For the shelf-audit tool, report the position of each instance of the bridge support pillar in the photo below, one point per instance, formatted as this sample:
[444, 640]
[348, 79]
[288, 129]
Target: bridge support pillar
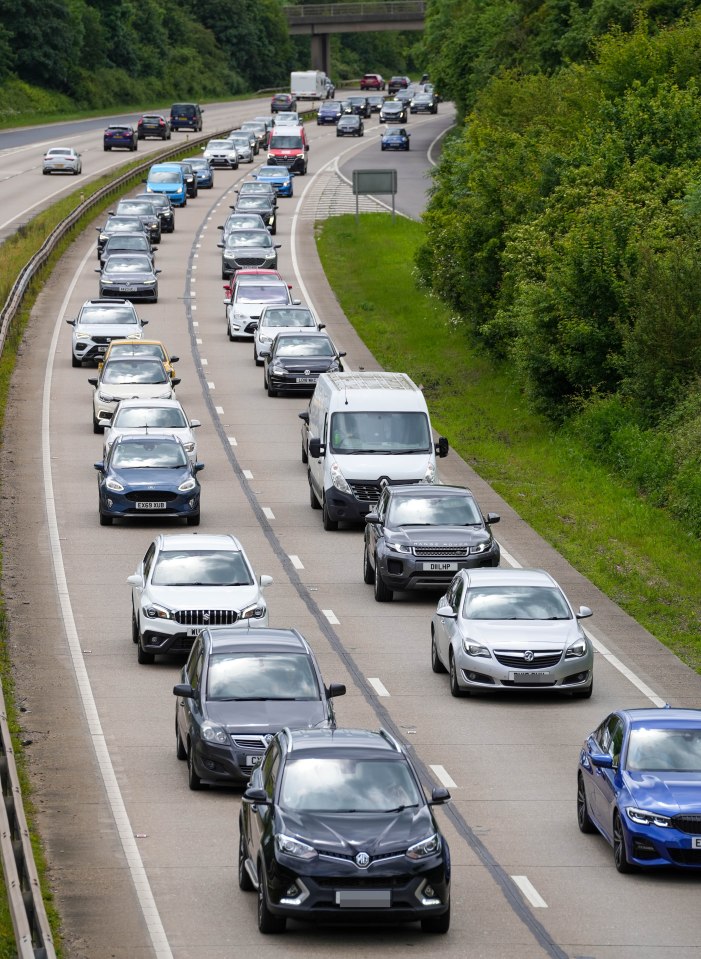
[321, 52]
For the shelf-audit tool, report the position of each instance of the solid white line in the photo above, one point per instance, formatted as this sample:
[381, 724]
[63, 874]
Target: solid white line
[440, 774]
[378, 686]
[331, 616]
[248, 474]
[530, 892]
[125, 830]
[268, 513]
[296, 561]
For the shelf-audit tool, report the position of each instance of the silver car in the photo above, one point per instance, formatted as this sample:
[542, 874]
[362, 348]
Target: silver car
[123, 378]
[245, 145]
[281, 319]
[155, 417]
[501, 629]
[222, 153]
[62, 160]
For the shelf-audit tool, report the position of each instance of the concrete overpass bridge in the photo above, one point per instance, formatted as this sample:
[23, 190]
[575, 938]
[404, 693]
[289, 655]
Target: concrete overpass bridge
[319, 21]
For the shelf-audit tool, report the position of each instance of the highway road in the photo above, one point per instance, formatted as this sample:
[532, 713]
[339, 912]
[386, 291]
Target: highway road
[143, 867]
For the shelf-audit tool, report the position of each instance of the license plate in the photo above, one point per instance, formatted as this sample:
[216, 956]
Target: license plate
[305, 379]
[439, 567]
[253, 760]
[696, 842]
[536, 676]
[150, 505]
[194, 631]
[127, 289]
[364, 898]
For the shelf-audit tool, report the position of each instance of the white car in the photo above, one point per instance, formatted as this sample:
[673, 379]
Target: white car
[244, 149]
[98, 323]
[222, 153]
[248, 301]
[281, 319]
[245, 136]
[189, 581]
[128, 377]
[155, 418]
[287, 119]
[62, 160]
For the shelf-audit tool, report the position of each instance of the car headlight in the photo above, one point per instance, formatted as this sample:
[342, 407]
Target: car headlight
[265, 339]
[278, 370]
[155, 611]
[254, 611]
[187, 485]
[425, 848]
[82, 336]
[480, 548]
[269, 254]
[294, 847]
[180, 189]
[106, 282]
[643, 818]
[338, 479]
[398, 547]
[430, 474]
[104, 397]
[475, 649]
[212, 733]
[577, 649]
[114, 485]
[149, 282]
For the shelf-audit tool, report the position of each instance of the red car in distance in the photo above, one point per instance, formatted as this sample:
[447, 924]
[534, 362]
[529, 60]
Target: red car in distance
[372, 81]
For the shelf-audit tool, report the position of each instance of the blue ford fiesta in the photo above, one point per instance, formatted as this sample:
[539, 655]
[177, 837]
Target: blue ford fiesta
[639, 785]
[278, 176]
[148, 476]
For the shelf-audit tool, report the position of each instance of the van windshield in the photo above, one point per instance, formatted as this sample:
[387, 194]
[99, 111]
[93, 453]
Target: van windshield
[285, 143]
[382, 432]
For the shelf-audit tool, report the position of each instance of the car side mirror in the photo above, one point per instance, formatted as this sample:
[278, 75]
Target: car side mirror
[584, 612]
[184, 689]
[342, 353]
[144, 322]
[92, 380]
[442, 447]
[316, 448]
[258, 797]
[371, 518]
[493, 518]
[446, 611]
[71, 322]
[264, 353]
[97, 271]
[306, 148]
[194, 424]
[175, 381]
[277, 246]
[265, 581]
[157, 272]
[220, 246]
[174, 359]
[296, 303]
[601, 760]
[321, 326]
[198, 467]
[439, 795]
[105, 419]
[220, 227]
[100, 467]
[136, 579]
[304, 416]
[335, 689]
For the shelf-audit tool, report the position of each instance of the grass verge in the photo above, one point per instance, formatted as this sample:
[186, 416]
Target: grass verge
[635, 553]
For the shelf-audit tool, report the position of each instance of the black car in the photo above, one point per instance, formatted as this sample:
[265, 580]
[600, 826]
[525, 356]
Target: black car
[127, 243]
[335, 827]
[423, 103]
[243, 249]
[238, 688]
[376, 100]
[190, 176]
[118, 224]
[358, 105]
[263, 203]
[329, 112]
[394, 111]
[350, 125]
[295, 360]
[146, 212]
[419, 536]
[163, 207]
[153, 125]
[397, 83]
[130, 275]
[282, 103]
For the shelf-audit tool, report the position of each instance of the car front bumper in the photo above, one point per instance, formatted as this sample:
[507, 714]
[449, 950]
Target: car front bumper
[135, 292]
[479, 672]
[405, 571]
[169, 636]
[127, 504]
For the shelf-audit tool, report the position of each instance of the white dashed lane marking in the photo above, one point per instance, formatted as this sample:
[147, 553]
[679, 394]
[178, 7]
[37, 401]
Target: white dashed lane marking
[530, 892]
[443, 777]
[331, 616]
[378, 686]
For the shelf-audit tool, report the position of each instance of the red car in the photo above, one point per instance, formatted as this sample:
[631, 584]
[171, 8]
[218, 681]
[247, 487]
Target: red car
[372, 81]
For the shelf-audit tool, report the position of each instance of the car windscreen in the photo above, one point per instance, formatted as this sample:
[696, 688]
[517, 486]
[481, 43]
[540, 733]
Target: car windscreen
[280, 142]
[127, 243]
[286, 676]
[254, 293]
[311, 784]
[136, 207]
[168, 417]
[380, 432]
[239, 221]
[141, 349]
[674, 750]
[303, 346]
[258, 201]
[278, 317]
[514, 603]
[220, 145]
[393, 107]
[149, 455]
[112, 315]
[133, 371]
[199, 163]
[417, 510]
[123, 224]
[206, 567]
[249, 238]
[250, 186]
[131, 263]
[165, 176]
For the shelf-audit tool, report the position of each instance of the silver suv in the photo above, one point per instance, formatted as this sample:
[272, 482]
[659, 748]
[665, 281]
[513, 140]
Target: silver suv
[98, 323]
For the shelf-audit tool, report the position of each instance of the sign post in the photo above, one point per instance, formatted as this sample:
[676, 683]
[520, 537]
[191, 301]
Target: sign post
[372, 182]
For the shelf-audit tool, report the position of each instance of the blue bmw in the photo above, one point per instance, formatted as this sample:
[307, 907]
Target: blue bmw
[639, 785]
[148, 476]
[278, 176]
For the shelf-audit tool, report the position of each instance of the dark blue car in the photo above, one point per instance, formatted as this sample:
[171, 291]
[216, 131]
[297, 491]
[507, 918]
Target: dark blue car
[329, 112]
[204, 171]
[148, 476]
[120, 136]
[394, 138]
[639, 785]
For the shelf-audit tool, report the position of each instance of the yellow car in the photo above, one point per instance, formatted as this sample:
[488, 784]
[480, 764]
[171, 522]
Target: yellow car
[141, 348]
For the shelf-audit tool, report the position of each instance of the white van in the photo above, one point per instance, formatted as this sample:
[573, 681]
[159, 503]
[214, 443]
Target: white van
[363, 431]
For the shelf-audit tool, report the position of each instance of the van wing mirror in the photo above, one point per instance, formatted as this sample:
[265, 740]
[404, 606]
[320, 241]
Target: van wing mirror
[316, 448]
[304, 416]
[442, 447]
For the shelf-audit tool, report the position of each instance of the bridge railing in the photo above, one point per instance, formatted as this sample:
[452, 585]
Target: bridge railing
[393, 8]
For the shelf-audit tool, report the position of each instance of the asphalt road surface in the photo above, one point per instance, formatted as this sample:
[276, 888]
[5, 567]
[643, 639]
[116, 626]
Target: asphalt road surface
[143, 867]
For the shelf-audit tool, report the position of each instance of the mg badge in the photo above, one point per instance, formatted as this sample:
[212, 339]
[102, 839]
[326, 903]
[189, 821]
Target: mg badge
[362, 860]
[528, 655]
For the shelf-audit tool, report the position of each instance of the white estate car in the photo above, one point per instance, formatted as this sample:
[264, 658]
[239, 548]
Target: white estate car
[155, 418]
[248, 301]
[62, 160]
[128, 377]
[281, 319]
[189, 581]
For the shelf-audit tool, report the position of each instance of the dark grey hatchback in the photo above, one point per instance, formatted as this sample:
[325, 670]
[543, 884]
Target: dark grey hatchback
[240, 686]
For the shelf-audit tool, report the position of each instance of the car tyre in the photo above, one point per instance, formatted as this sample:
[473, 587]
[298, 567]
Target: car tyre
[583, 819]
[368, 574]
[436, 664]
[142, 657]
[134, 628]
[620, 856]
[96, 428]
[455, 689]
[245, 883]
[383, 594]
[256, 360]
[268, 923]
[105, 520]
[437, 925]
[75, 362]
[305, 455]
[180, 750]
[193, 780]
[330, 525]
[585, 693]
[313, 501]
[193, 519]
[271, 391]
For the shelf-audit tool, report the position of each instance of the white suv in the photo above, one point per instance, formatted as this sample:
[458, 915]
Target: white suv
[98, 323]
[189, 581]
[248, 301]
[281, 319]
